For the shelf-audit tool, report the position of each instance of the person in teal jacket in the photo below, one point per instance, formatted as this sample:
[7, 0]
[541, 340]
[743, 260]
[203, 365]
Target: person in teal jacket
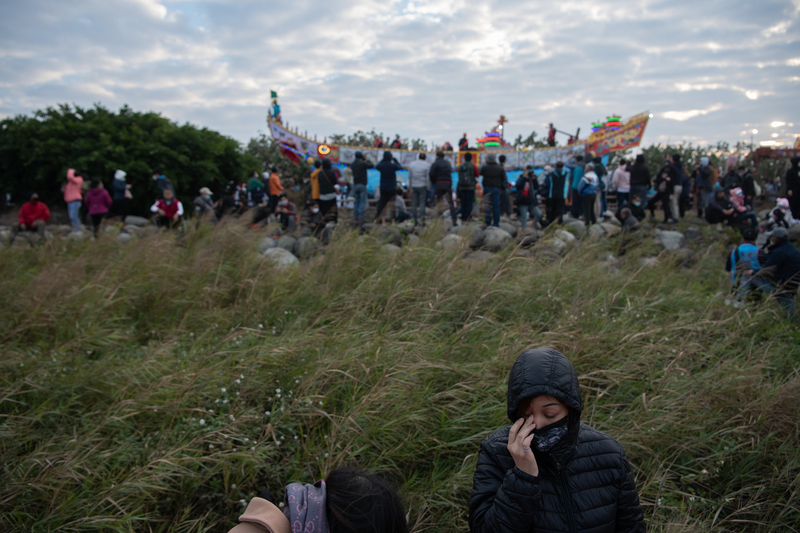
[577, 175]
[742, 263]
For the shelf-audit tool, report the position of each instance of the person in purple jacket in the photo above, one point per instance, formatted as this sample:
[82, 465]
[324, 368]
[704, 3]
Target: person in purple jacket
[98, 201]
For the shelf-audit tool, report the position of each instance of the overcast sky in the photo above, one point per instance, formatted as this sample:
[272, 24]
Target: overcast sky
[708, 70]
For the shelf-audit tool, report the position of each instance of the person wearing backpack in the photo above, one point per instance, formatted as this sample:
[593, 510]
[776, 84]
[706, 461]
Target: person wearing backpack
[602, 182]
[587, 191]
[467, 178]
[441, 178]
[744, 258]
[557, 192]
[527, 187]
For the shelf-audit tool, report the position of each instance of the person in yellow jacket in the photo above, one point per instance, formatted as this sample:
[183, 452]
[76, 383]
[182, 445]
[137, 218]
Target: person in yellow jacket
[275, 188]
[315, 181]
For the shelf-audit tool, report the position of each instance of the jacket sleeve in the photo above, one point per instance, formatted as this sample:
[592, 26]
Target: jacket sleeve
[630, 518]
[107, 199]
[501, 499]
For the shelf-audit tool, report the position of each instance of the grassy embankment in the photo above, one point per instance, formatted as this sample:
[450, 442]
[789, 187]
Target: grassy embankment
[153, 387]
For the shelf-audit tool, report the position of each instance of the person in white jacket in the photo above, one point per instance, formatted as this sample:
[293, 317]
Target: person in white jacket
[622, 182]
[418, 182]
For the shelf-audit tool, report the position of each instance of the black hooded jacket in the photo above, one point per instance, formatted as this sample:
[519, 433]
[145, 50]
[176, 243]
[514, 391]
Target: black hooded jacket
[584, 482]
[359, 168]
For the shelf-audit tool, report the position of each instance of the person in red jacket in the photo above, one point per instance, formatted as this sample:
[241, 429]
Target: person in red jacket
[168, 209]
[32, 217]
[99, 202]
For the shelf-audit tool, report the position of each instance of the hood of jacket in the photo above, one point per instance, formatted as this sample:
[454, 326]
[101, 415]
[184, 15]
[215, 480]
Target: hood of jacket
[703, 161]
[542, 371]
[120, 175]
[796, 163]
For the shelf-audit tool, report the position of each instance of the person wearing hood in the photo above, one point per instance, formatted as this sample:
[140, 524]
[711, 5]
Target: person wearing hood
[640, 178]
[347, 501]
[441, 176]
[748, 185]
[780, 271]
[467, 180]
[360, 166]
[73, 196]
[418, 179]
[99, 202]
[629, 222]
[32, 216]
[703, 184]
[527, 199]
[732, 179]
[677, 187]
[163, 183]
[792, 180]
[741, 212]
[548, 472]
[577, 168]
[557, 193]
[388, 168]
[780, 216]
[121, 194]
[587, 192]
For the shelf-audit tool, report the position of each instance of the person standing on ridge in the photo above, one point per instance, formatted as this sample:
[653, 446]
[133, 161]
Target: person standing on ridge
[99, 202]
[640, 178]
[558, 191]
[360, 166]
[388, 168]
[493, 178]
[122, 194]
[275, 187]
[527, 199]
[467, 179]
[418, 179]
[162, 182]
[327, 192]
[792, 180]
[587, 190]
[441, 175]
[73, 196]
[463, 143]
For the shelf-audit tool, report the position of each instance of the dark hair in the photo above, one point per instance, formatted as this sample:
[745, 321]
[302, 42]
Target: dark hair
[639, 160]
[598, 159]
[326, 164]
[579, 158]
[559, 164]
[157, 170]
[387, 155]
[274, 169]
[502, 158]
[94, 183]
[282, 195]
[749, 234]
[359, 155]
[742, 167]
[439, 154]
[423, 156]
[254, 173]
[358, 502]
[317, 163]
[676, 157]
[467, 157]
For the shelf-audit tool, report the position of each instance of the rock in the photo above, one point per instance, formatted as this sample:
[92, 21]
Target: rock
[495, 238]
[63, 229]
[670, 240]
[480, 255]
[306, 247]
[390, 235]
[281, 258]
[130, 228]
[557, 245]
[474, 233]
[287, 243]
[761, 240]
[508, 228]
[651, 262]
[389, 249]
[136, 221]
[451, 241]
[412, 240]
[577, 226]
[607, 257]
[596, 230]
[614, 221]
[327, 233]
[609, 228]
[123, 238]
[529, 237]
[565, 236]
[266, 243]
[692, 232]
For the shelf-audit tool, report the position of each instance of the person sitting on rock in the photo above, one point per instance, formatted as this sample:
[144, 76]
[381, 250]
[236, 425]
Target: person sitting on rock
[629, 221]
[780, 272]
[741, 211]
[634, 205]
[286, 212]
[720, 209]
[169, 210]
[744, 258]
[203, 204]
[780, 216]
[32, 217]
[315, 219]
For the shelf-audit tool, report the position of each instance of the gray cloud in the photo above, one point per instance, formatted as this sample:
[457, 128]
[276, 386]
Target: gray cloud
[709, 71]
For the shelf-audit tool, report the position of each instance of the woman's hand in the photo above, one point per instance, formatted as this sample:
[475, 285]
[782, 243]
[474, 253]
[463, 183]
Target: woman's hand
[520, 437]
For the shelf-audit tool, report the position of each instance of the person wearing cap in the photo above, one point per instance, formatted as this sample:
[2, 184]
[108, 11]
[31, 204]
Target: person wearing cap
[780, 272]
[203, 204]
[32, 217]
[548, 471]
[743, 258]
[493, 179]
[163, 183]
[121, 194]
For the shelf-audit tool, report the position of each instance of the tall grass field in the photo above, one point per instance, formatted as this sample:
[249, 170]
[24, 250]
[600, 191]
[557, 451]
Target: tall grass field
[158, 386]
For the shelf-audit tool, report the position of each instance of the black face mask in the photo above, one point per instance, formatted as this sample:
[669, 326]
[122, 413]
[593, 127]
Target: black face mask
[548, 436]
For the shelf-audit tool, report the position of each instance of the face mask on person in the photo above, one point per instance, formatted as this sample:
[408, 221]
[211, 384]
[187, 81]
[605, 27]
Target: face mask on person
[315, 210]
[548, 436]
[283, 203]
[637, 204]
[34, 199]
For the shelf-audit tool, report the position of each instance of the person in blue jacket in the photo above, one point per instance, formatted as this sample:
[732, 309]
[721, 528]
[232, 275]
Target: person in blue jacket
[576, 170]
[587, 190]
[744, 258]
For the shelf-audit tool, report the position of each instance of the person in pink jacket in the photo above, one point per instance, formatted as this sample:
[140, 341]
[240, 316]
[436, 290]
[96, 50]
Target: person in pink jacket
[622, 183]
[98, 201]
[73, 196]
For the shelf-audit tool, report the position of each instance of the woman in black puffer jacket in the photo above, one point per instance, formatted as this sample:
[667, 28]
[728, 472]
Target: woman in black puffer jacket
[548, 472]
